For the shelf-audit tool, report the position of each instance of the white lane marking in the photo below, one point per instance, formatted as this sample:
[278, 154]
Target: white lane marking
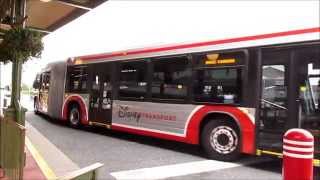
[182, 169]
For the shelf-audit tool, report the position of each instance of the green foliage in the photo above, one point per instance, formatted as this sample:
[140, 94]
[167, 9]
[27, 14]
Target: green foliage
[20, 44]
[25, 87]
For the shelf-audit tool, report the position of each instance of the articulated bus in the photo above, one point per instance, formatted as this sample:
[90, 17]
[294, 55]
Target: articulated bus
[230, 96]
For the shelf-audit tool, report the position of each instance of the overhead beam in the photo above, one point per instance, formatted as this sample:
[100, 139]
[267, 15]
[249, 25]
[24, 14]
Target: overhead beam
[73, 4]
[39, 30]
[70, 17]
[95, 3]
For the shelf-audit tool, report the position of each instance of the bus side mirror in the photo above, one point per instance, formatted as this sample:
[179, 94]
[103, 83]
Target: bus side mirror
[36, 84]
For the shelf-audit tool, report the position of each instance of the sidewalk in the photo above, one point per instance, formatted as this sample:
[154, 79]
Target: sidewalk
[43, 159]
[31, 170]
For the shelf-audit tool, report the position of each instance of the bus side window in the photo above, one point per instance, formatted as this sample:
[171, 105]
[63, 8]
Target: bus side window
[218, 77]
[45, 81]
[77, 79]
[41, 82]
[170, 78]
[218, 85]
[133, 80]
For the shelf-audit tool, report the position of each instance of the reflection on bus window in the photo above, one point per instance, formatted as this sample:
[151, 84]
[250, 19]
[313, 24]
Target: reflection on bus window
[96, 83]
[77, 81]
[45, 81]
[309, 92]
[314, 87]
[274, 87]
[133, 80]
[170, 77]
[218, 85]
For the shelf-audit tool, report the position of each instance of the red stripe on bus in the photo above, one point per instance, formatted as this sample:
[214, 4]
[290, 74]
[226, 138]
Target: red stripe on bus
[246, 125]
[193, 129]
[207, 43]
[149, 133]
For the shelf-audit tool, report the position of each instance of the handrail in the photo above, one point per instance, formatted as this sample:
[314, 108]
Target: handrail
[273, 104]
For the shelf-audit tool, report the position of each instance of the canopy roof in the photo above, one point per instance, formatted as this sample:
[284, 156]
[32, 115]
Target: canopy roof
[49, 15]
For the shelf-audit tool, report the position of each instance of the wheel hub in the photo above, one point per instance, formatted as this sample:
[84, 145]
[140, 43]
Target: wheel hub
[74, 117]
[223, 139]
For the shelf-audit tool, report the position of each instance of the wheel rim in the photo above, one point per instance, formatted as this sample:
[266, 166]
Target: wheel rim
[74, 116]
[224, 139]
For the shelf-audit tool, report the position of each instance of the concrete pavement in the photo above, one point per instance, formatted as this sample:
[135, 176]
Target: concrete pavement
[128, 156]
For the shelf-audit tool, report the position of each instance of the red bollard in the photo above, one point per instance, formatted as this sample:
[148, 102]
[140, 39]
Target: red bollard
[298, 147]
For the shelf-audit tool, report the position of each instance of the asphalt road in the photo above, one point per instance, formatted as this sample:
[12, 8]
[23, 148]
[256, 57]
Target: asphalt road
[122, 152]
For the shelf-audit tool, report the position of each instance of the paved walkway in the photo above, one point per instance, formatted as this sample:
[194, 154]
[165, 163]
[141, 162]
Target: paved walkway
[43, 159]
[31, 170]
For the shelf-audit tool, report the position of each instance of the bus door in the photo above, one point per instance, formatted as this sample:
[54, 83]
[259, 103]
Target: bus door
[274, 99]
[307, 92]
[100, 109]
[44, 92]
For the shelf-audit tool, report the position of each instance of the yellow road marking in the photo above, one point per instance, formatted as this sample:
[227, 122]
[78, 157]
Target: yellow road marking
[316, 162]
[259, 152]
[47, 171]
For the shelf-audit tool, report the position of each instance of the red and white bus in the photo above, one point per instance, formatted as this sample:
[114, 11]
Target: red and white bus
[230, 96]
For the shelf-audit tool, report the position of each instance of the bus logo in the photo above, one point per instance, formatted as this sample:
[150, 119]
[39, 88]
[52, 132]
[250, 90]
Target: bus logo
[125, 113]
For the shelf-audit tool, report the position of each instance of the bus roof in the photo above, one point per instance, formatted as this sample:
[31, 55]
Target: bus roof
[49, 66]
[246, 41]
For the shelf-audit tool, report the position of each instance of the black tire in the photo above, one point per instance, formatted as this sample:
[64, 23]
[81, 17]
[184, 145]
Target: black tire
[74, 116]
[220, 140]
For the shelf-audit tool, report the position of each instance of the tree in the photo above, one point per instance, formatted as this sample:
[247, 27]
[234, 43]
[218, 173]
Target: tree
[25, 87]
[20, 44]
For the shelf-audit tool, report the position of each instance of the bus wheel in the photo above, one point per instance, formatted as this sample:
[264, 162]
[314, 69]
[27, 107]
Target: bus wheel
[220, 140]
[74, 116]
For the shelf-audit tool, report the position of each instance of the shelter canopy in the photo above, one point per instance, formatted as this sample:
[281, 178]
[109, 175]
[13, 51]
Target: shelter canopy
[49, 15]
